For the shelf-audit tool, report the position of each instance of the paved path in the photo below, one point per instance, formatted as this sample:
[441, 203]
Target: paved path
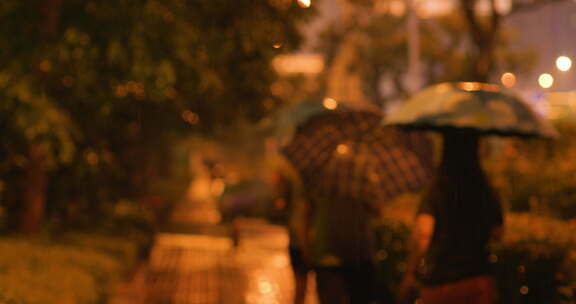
[199, 268]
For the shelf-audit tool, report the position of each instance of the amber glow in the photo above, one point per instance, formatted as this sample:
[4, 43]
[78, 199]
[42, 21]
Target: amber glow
[298, 63]
[330, 103]
[508, 80]
[397, 8]
[342, 149]
[190, 117]
[470, 86]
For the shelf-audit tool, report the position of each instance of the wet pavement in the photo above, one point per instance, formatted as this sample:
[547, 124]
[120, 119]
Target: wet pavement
[200, 267]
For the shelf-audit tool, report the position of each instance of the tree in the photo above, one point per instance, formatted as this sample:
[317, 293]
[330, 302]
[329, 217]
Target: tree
[471, 43]
[96, 93]
[381, 54]
[485, 30]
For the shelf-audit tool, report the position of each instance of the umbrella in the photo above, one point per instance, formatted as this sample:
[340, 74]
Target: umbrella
[480, 108]
[291, 116]
[349, 154]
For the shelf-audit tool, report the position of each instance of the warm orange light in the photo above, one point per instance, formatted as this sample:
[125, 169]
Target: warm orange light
[277, 45]
[342, 149]
[91, 158]
[470, 86]
[190, 117]
[330, 103]
[508, 79]
[120, 91]
[299, 63]
[265, 287]
[397, 8]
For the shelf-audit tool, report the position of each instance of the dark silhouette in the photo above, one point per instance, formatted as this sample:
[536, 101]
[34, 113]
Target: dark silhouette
[458, 217]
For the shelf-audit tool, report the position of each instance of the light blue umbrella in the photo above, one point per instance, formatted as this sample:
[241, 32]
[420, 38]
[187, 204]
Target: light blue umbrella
[480, 108]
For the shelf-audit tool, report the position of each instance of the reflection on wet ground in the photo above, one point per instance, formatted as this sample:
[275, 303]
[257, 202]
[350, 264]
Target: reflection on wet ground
[202, 269]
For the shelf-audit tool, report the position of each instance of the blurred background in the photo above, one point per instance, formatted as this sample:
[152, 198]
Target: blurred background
[125, 123]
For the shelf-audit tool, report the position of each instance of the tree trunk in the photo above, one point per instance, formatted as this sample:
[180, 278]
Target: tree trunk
[484, 62]
[36, 174]
[51, 11]
[483, 37]
[34, 195]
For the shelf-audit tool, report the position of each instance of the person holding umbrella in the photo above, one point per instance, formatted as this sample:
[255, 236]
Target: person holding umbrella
[289, 192]
[350, 165]
[460, 214]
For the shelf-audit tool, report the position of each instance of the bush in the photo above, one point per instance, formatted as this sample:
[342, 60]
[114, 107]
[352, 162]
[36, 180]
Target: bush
[40, 273]
[126, 228]
[75, 268]
[536, 262]
[535, 175]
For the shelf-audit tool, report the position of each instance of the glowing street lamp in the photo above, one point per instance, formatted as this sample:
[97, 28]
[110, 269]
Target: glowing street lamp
[563, 63]
[305, 3]
[508, 79]
[545, 80]
[330, 103]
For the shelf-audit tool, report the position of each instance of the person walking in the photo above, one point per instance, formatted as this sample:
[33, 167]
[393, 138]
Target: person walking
[461, 214]
[332, 236]
[457, 219]
[288, 192]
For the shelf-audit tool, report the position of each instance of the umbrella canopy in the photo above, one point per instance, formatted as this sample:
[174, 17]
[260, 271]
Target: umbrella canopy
[291, 116]
[349, 154]
[288, 118]
[475, 107]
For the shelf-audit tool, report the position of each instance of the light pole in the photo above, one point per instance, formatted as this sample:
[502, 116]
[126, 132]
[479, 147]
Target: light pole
[413, 31]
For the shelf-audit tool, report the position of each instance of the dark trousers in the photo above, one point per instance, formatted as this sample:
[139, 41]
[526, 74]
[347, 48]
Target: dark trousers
[475, 290]
[351, 284]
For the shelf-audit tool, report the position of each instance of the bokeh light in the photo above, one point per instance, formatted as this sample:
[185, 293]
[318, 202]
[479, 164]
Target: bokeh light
[397, 8]
[330, 103]
[546, 80]
[342, 149]
[508, 79]
[190, 117]
[470, 86]
[305, 3]
[563, 63]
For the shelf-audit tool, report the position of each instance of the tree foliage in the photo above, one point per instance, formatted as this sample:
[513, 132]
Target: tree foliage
[108, 87]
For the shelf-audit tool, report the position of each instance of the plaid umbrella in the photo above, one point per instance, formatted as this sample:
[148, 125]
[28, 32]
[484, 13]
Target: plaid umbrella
[349, 154]
[288, 118]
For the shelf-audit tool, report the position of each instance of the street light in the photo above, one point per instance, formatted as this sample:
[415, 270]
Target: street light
[563, 63]
[413, 32]
[545, 80]
[330, 103]
[305, 3]
[508, 79]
